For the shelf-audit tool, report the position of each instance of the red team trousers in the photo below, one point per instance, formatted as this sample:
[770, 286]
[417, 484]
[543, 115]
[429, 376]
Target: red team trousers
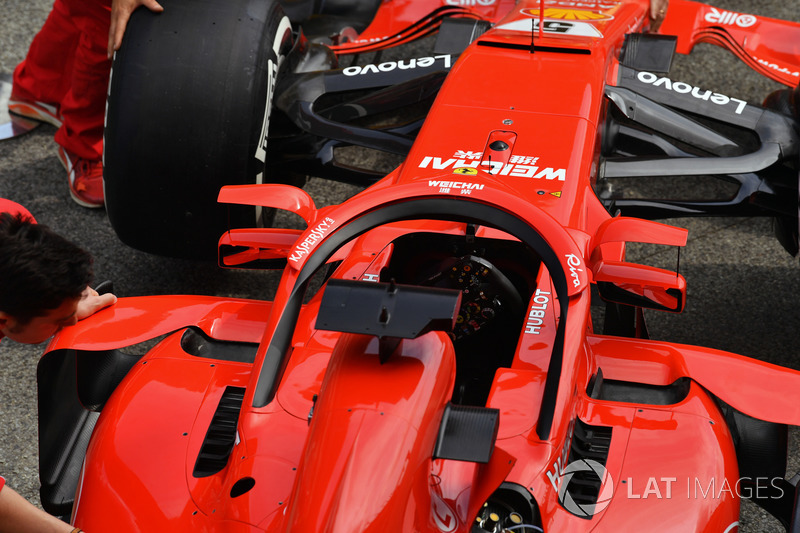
[67, 67]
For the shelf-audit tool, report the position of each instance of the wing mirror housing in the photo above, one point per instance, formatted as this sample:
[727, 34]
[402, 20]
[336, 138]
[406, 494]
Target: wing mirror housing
[256, 248]
[263, 248]
[631, 283]
[640, 286]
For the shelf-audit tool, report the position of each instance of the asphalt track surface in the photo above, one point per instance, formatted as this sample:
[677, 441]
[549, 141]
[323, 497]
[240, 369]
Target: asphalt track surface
[742, 285]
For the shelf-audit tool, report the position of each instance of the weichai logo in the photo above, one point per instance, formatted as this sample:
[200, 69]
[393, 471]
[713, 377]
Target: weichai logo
[518, 166]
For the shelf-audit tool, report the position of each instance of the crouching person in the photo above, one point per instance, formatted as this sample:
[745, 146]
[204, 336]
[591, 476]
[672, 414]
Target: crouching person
[44, 286]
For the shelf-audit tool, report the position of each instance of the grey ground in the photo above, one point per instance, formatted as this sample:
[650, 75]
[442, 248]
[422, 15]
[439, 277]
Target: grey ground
[742, 284]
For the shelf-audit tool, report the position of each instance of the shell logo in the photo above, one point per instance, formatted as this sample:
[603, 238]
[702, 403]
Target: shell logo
[568, 14]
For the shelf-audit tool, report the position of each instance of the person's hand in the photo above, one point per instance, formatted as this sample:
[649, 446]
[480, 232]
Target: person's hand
[658, 10]
[91, 302]
[120, 13]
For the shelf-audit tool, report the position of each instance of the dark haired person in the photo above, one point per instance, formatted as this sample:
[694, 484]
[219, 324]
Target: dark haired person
[44, 286]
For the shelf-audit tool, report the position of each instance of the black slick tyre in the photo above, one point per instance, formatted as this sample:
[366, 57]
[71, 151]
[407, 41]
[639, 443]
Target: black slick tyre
[188, 110]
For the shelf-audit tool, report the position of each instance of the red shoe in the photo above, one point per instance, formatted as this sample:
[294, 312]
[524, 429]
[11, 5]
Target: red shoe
[38, 111]
[85, 179]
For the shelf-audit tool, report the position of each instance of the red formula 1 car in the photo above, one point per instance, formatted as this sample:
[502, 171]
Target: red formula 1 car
[241, 98]
[430, 360]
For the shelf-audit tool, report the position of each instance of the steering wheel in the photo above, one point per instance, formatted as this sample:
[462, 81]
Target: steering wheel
[486, 293]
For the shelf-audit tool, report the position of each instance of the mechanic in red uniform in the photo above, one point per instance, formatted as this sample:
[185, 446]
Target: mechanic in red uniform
[64, 79]
[44, 285]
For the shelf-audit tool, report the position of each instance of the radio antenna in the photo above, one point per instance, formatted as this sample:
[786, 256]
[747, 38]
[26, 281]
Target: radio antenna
[541, 19]
[541, 26]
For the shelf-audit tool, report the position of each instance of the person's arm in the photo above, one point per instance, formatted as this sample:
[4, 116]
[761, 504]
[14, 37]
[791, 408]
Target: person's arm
[91, 302]
[120, 13]
[18, 515]
[658, 10]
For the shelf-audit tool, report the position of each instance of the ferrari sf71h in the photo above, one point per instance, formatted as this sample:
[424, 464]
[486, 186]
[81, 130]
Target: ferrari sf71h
[430, 360]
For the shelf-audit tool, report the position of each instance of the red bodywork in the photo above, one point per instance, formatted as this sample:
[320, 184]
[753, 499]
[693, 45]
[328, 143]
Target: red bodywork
[339, 439]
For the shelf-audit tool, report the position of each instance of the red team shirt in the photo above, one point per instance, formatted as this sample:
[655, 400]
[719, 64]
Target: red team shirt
[74, 34]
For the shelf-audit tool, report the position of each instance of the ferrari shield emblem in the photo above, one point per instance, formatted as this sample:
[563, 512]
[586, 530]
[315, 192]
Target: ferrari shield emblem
[466, 171]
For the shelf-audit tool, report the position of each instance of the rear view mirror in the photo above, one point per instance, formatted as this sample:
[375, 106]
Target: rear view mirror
[640, 286]
[263, 248]
[258, 248]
